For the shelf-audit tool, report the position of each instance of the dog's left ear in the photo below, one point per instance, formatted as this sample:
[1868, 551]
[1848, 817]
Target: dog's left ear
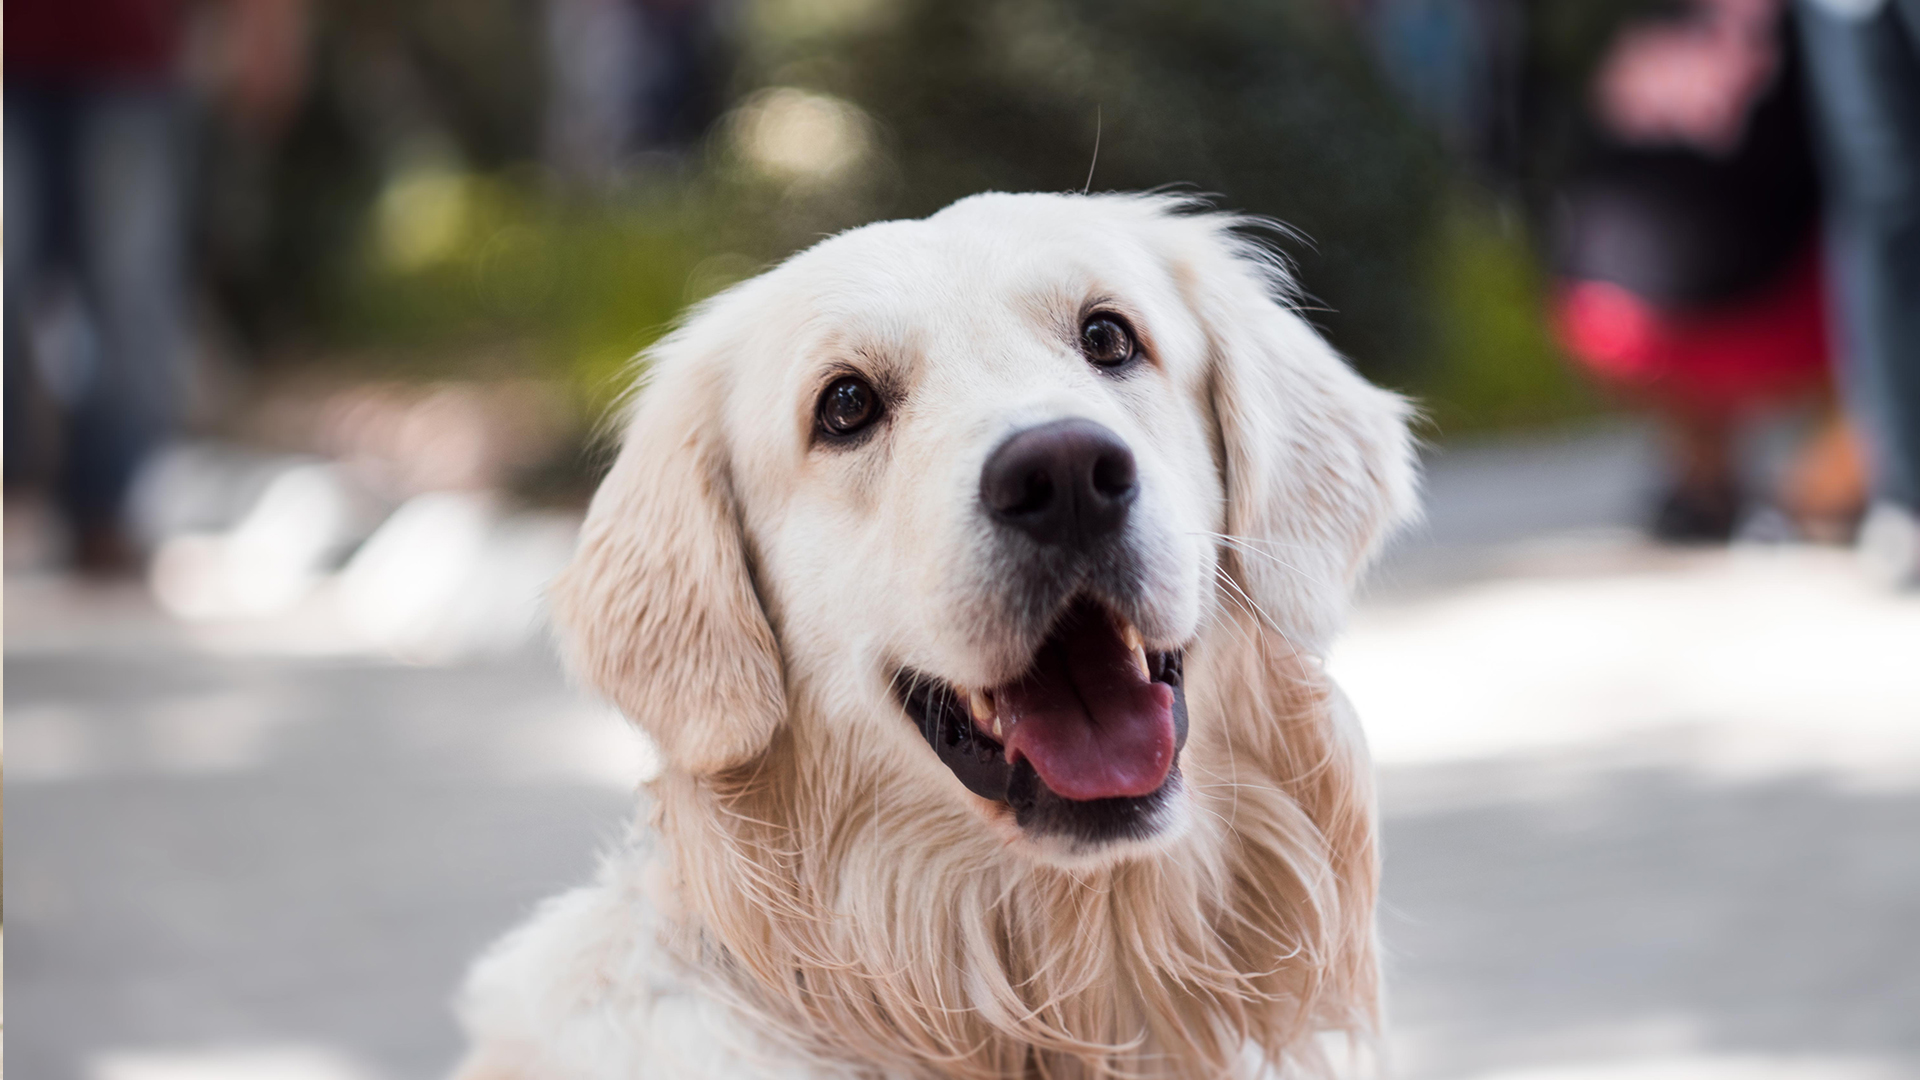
[1318, 463]
[658, 609]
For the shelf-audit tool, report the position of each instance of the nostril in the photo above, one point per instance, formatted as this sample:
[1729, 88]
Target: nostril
[1069, 482]
[1036, 491]
[1017, 485]
[1113, 474]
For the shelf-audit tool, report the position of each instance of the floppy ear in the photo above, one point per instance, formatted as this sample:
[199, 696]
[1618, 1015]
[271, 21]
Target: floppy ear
[657, 609]
[1318, 463]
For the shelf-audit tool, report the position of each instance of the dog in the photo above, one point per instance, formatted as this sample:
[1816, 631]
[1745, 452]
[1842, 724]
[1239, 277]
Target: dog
[972, 576]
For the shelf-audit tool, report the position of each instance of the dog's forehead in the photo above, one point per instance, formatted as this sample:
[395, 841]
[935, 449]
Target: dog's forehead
[975, 300]
[907, 276]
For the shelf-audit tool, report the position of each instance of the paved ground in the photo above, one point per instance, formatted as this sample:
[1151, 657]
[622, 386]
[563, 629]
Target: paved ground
[1648, 815]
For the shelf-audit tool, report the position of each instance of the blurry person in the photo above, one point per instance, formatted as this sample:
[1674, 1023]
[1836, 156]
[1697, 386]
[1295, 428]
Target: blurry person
[1691, 278]
[595, 50]
[1460, 65]
[1863, 65]
[628, 77]
[95, 246]
[96, 236]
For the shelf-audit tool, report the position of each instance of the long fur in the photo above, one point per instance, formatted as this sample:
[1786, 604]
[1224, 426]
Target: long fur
[859, 936]
[800, 904]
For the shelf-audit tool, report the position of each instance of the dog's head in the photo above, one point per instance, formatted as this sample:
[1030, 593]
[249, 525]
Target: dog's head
[966, 490]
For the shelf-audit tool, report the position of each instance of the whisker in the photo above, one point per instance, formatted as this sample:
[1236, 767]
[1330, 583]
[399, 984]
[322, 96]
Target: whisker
[1259, 613]
[1243, 544]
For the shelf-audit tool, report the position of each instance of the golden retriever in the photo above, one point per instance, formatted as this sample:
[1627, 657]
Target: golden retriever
[972, 575]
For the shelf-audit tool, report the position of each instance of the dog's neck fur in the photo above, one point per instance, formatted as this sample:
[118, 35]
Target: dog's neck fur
[909, 941]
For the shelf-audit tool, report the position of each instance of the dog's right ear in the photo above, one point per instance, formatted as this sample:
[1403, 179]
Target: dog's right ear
[657, 609]
[1317, 463]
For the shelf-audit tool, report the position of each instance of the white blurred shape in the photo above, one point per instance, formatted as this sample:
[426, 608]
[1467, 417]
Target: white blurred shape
[1711, 1067]
[188, 576]
[271, 559]
[198, 487]
[236, 1063]
[1786, 659]
[402, 585]
[502, 606]
[800, 135]
[1889, 547]
[279, 549]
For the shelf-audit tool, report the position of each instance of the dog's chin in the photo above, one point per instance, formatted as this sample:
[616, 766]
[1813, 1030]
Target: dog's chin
[1077, 759]
[1079, 836]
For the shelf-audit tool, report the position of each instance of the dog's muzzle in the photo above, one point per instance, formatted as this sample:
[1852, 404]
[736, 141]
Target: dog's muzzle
[1084, 745]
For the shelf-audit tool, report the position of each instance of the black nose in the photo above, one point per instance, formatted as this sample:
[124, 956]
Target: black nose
[1068, 482]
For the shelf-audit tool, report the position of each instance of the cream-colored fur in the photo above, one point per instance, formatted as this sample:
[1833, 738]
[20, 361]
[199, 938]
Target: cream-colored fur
[813, 893]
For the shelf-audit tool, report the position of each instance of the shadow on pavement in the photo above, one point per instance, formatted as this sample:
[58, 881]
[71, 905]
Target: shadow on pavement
[1591, 915]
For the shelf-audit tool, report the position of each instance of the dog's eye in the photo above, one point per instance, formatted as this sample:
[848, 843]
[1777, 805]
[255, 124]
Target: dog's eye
[1106, 341]
[847, 405]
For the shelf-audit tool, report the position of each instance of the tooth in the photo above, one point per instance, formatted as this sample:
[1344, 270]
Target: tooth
[982, 706]
[1130, 637]
[980, 702]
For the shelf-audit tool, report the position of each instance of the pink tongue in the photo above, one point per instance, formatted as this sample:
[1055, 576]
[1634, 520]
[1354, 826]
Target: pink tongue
[1093, 726]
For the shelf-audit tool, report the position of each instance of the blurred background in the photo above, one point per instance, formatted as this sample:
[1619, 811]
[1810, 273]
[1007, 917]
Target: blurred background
[315, 310]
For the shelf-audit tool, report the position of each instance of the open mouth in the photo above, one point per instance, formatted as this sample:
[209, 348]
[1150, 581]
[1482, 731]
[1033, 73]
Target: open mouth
[1083, 743]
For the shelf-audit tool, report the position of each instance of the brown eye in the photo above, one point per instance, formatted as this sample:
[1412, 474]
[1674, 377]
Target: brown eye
[1106, 341]
[847, 405]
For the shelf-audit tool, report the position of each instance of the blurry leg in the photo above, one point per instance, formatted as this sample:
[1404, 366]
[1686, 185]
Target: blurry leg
[133, 229]
[1825, 488]
[27, 214]
[1864, 74]
[1705, 502]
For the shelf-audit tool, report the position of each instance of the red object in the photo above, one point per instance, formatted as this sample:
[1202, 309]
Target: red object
[90, 41]
[1771, 346]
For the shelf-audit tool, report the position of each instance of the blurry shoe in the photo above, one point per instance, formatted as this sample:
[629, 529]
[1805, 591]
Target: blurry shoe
[1692, 514]
[1825, 487]
[103, 550]
[1889, 546]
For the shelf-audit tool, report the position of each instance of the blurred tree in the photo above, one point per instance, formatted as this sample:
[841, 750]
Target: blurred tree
[404, 215]
[1272, 107]
[389, 81]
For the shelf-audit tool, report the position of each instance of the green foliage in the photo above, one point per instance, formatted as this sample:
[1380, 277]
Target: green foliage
[462, 270]
[1494, 362]
[1271, 106]
[432, 247]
